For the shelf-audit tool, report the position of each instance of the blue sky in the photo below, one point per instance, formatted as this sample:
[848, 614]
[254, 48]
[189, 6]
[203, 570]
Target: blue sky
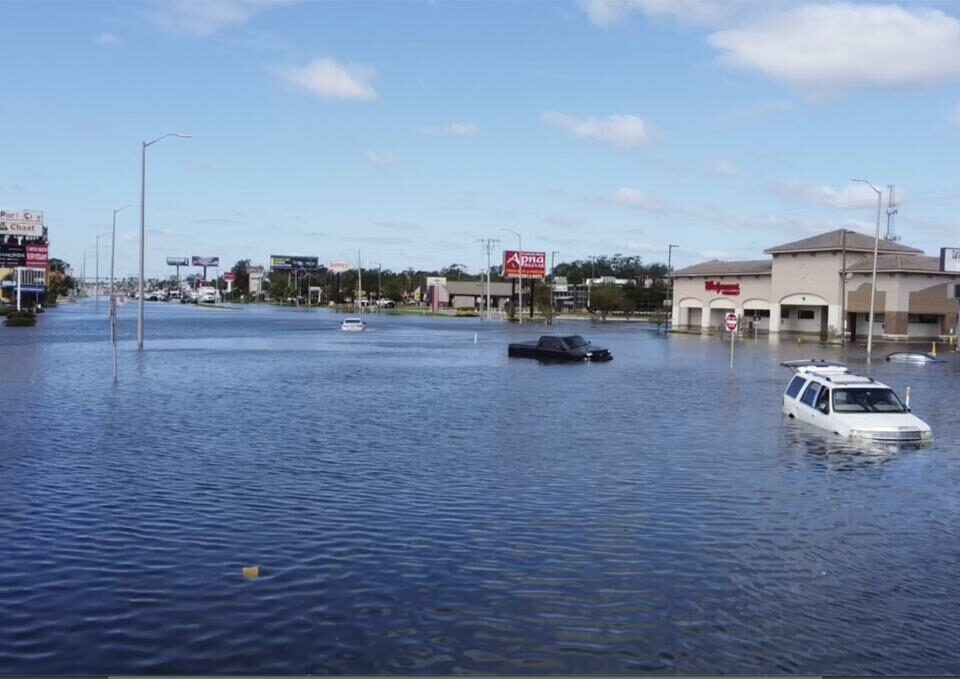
[410, 129]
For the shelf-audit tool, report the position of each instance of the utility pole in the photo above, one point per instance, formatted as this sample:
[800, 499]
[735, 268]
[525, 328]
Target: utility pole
[489, 244]
[891, 211]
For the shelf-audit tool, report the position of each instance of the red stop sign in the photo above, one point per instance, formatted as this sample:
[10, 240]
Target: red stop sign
[731, 322]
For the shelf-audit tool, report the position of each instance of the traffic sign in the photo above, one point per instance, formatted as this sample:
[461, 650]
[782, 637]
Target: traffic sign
[731, 322]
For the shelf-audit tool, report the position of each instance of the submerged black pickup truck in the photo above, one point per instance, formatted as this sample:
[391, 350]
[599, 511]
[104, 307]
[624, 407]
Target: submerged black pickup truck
[557, 348]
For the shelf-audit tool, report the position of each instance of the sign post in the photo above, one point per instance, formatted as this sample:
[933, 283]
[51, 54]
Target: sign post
[731, 322]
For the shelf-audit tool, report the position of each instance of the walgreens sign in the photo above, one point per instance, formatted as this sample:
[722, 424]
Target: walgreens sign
[531, 264]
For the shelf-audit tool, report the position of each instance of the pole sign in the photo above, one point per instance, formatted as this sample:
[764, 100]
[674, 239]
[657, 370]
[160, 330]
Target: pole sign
[287, 263]
[339, 266]
[206, 261]
[12, 256]
[436, 281]
[731, 322]
[524, 264]
[178, 261]
[950, 260]
[37, 255]
[230, 277]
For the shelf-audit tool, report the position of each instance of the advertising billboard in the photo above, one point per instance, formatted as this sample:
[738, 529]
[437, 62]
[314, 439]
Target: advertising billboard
[288, 262]
[206, 261]
[12, 256]
[529, 264]
[950, 260]
[35, 216]
[178, 261]
[339, 267]
[436, 281]
[11, 227]
[37, 255]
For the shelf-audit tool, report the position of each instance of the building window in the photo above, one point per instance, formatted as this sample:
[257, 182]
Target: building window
[757, 313]
[784, 312]
[805, 314]
[923, 318]
[877, 318]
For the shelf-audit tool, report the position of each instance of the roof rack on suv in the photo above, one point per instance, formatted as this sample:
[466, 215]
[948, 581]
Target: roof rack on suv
[814, 365]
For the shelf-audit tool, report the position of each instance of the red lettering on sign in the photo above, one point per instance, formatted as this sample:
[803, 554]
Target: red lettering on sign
[732, 289]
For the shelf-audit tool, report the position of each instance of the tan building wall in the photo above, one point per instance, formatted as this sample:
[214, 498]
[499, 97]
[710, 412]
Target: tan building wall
[695, 306]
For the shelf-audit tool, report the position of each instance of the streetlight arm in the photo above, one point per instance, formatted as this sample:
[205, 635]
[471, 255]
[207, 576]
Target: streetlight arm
[169, 134]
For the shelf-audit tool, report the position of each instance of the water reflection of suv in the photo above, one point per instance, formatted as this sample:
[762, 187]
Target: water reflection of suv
[829, 396]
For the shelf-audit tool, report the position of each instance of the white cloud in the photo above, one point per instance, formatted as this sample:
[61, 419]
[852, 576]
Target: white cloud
[609, 12]
[455, 130]
[955, 116]
[380, 159]
[329, 79]
[624, 131]
[725, 168]
[645, 248]
[854, 195]
[106, 39]
[634, 198]
[205, 17]
[839, 45]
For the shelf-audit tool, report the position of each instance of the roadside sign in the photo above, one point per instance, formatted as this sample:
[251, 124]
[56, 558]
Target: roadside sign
[230, 277]
[731, 322]
[339, 266]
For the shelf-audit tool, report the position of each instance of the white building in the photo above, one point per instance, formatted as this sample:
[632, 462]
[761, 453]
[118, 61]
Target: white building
[808, 286]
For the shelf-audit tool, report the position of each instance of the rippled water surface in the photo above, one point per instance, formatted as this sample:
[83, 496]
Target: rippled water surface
[419, 503]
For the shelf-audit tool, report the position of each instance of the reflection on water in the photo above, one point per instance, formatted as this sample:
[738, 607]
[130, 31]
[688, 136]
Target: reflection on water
[419, 503]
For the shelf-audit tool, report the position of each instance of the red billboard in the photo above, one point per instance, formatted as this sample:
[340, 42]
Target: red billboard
[530, 264]
[37, 255]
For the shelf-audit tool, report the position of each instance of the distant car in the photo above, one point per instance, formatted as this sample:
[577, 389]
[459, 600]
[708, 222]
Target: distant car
[559, 348]
[353, 325]
[386, 303]
[829, 396]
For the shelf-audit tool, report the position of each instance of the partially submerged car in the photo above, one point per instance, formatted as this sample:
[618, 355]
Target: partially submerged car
[559, 348]
[917, 357]
[827, 395]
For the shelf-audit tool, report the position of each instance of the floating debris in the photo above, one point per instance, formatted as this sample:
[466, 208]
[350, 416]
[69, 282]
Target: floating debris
[251, 572]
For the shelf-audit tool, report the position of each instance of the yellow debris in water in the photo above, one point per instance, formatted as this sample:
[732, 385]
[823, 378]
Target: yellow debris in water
[251, 572]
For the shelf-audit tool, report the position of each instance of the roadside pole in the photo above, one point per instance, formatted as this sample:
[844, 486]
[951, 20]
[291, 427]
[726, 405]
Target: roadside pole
[731, 323]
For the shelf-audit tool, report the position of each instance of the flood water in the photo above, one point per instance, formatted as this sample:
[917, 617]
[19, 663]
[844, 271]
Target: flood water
[418, 503]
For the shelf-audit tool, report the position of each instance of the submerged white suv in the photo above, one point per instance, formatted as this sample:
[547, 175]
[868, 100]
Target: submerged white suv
[829, 396]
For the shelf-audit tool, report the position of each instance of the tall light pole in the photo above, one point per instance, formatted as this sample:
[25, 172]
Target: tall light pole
[520, 297]
[873, 278]
[96, 282]
[143, 201]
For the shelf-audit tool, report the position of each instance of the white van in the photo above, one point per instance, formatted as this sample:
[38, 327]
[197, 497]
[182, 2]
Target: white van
[829, 396]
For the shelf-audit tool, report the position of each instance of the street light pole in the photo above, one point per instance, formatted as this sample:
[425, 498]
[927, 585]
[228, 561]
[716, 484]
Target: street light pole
[113, 245]
[873, 277]
[143, 201]
[520, 255]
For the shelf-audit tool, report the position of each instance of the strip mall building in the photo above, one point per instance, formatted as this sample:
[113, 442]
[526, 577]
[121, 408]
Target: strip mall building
[808, 286]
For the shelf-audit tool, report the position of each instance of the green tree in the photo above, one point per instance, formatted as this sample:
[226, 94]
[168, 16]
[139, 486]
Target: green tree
[241, 284]
[279, 286]
[543, 301]
[605, 298]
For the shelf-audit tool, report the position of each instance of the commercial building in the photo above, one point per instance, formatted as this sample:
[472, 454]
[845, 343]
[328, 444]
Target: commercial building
[818, 285]
[472, 294]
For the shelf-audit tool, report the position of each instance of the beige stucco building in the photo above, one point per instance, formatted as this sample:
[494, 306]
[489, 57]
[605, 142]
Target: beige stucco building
[808, 286]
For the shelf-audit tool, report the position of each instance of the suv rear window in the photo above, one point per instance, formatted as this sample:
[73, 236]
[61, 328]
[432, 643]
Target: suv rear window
[795, 385]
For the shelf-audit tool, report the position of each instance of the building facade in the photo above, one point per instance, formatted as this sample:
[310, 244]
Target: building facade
[821, 286]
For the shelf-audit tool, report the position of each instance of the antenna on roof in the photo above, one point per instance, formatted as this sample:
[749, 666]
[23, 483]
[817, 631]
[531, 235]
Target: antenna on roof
[891, 211]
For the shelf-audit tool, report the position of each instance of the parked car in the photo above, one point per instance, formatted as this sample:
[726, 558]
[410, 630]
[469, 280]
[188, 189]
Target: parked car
[827, 395]
[559, 348]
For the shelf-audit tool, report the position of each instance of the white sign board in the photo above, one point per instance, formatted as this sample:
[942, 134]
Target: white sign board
[950, 260]
[20, 228]
[731, 322]
[339, 267]
[436, 281]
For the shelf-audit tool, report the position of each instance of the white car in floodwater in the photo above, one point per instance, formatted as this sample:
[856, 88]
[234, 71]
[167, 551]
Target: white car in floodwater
[353, 325]
[829, 396]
